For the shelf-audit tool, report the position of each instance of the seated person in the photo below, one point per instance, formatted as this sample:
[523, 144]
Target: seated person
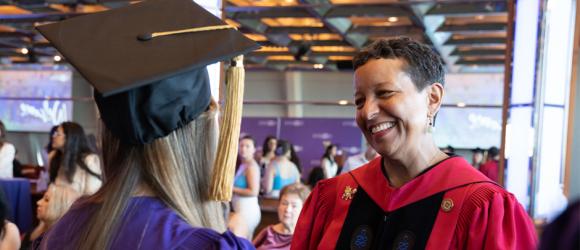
[316, 175]
[9, 234]
[53, 205]
[279, 236]
[74, 164]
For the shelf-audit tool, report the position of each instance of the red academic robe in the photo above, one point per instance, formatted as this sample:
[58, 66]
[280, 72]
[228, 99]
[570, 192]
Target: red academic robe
[475, 213]
[490, 169]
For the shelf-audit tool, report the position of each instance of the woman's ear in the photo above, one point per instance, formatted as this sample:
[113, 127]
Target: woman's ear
[435, 94]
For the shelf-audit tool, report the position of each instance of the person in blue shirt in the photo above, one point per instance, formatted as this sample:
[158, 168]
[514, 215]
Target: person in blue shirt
[247, 186]
[281, 171]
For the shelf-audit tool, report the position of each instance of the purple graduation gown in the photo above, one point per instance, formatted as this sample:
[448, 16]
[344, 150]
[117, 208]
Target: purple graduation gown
[148, 224]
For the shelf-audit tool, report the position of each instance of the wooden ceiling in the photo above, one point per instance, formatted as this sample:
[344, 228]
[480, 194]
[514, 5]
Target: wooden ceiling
[301, 34]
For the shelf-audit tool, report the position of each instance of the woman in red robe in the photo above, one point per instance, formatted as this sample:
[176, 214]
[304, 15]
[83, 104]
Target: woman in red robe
[414, 196]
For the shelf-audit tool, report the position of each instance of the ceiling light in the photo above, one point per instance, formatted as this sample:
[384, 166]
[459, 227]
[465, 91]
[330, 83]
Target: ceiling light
[343, 102]
[318, 66]
[393, 19]
[461, 104]
[57, 58]
[24, 51]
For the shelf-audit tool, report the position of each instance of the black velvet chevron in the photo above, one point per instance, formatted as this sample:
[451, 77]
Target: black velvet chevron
[368, 227]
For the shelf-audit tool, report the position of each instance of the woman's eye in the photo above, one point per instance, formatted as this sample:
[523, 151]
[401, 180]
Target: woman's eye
[359, 102]
[384, 93]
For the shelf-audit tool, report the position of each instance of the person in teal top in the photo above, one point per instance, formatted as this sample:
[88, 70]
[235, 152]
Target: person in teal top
[247, 186]
[281, 171]
[241, 181]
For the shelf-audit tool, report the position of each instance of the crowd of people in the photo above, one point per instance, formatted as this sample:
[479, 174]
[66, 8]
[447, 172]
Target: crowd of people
[73, 171]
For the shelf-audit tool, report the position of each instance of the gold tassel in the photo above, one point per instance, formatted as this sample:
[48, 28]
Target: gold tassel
[224, 165]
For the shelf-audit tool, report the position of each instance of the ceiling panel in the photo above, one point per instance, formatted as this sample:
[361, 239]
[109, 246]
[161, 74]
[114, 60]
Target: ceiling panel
[318, 32]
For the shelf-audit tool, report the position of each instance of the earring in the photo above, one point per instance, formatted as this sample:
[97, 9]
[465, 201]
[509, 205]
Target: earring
[430, 124]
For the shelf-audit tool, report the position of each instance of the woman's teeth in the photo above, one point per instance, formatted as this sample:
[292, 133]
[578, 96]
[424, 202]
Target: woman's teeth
[382, 126]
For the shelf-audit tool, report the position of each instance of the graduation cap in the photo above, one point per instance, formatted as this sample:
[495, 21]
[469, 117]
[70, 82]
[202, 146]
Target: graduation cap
[147, 63]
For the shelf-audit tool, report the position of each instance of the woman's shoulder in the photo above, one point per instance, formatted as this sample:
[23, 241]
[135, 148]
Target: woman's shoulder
[481, 193]
[93, 162]
[487, 196]
[150, 223]
[326, 191]
[8, 147]
[91, 157]
[253, 165]
[11, 238]
[162, 226]
[11, 228]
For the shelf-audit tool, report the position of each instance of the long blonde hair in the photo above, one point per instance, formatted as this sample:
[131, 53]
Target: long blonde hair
[175, 168]
[61, 199]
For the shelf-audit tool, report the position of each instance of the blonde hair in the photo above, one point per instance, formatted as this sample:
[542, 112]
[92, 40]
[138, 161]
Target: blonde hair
[175, 168]
[61, 199]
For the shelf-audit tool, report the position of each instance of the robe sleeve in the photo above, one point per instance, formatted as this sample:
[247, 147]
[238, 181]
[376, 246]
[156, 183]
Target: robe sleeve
[492, 218]
[211, 240]
[313, 217]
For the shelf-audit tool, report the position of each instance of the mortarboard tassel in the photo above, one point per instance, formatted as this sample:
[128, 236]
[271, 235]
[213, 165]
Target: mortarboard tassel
[227, 152]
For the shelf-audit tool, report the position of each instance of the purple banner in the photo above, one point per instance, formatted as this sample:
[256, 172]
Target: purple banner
[308, 135]
[311, 135]
[260, 128]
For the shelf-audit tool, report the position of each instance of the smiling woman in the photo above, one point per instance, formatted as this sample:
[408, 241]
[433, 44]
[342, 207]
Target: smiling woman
[414, 196]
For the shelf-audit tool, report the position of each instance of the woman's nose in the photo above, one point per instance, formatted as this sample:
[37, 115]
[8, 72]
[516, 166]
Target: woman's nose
[370, 110]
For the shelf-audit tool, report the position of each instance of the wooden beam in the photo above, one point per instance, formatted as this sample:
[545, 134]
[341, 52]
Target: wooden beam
[475, 27]
[465, 8]
[479, 52]
[477, 40]
[481, 61]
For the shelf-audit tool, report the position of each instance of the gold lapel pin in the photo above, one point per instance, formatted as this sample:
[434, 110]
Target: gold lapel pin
[447, 205]
[348, 193]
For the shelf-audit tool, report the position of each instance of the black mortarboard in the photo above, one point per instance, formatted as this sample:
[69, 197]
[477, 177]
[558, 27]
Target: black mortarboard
[147, 86]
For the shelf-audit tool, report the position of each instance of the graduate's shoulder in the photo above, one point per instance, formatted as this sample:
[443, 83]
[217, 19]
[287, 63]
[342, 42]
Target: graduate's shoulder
[484, 194]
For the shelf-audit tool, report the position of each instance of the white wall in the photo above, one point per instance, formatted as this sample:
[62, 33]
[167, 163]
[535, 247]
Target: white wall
[328, 86]
[264, 86]
[316, 86]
